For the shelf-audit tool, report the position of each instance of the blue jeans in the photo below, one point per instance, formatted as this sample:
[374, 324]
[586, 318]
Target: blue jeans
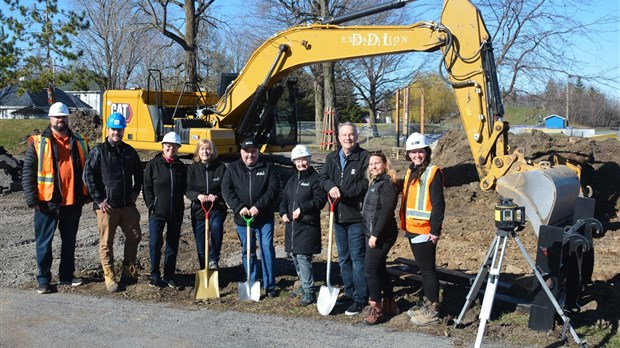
[67, 219]
[216, 229]
[350, 242]
[264, 234]
[156, 242]
[303, 267]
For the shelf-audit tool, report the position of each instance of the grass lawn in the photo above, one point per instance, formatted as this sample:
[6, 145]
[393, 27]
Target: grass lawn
[13, 133]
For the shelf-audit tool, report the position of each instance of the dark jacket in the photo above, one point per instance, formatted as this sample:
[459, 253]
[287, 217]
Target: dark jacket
[113, 172]
[351, 181]
[303, 190]
[164, 186]
[378, 210]
[258, 186]
[205, 179]
[29, 174]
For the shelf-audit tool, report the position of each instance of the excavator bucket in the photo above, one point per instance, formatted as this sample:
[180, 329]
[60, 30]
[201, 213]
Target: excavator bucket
[548, 195]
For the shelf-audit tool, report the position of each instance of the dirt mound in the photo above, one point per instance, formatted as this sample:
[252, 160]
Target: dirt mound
[88, 124]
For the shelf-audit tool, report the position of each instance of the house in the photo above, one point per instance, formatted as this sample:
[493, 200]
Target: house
[555, 121]
[34, 105]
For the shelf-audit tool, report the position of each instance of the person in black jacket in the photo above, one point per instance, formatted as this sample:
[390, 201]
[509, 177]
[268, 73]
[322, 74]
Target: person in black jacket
[344, 177]
[52, 183]
[113, 175]
[300, 208]
[204, 179]
[381, 231]
[165, 178]
[250, 188]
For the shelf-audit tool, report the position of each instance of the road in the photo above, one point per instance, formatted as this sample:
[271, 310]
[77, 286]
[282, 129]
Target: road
[28, 319]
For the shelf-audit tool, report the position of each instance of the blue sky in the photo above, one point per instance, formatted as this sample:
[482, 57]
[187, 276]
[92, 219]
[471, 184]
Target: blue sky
[600, 52]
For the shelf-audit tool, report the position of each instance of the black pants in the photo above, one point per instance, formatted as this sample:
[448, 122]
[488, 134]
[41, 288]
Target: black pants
[424, 254]
[376, 271]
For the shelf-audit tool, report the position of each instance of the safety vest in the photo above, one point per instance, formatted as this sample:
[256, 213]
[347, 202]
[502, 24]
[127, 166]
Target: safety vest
[415, 207]
[45, 167]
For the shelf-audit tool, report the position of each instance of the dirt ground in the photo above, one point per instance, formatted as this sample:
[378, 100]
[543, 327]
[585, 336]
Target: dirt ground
[467, 234]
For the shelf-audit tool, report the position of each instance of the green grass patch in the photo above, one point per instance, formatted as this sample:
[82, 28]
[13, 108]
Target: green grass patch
[13, 133]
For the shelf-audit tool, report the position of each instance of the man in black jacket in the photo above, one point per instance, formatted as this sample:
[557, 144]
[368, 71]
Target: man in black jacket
[113, 175]
[344, 177]
[250, 188]
[52, 183]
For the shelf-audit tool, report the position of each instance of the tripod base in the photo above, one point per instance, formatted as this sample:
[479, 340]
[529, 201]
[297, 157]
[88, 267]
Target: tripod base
[491, 270]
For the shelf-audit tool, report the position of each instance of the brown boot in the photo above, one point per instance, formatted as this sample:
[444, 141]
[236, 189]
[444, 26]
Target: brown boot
[375, 313]
[427, 314]
[130, 273]
[110, 283]
[390, 308]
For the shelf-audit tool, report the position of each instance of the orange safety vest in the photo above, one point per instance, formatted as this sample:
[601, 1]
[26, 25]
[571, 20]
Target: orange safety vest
[45, 167]
[416, 205]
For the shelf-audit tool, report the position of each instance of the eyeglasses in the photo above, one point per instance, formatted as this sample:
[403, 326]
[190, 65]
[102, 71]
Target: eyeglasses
[379, 153]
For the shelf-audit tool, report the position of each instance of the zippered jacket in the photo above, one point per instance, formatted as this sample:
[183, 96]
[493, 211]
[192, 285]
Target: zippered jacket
[303, 190]
[257, 186]
[164, 188]
[30, 174]
[205, 178]
[379, 209]
[113, 172]
[351, 180]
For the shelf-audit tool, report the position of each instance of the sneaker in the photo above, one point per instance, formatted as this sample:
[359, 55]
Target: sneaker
[354, 308]
[307, 299]
[171, 283]
[214, 266]
[428, 314]
[44, 289]
[154, 282]
[297, 292]
[272, 293]
[73, 282]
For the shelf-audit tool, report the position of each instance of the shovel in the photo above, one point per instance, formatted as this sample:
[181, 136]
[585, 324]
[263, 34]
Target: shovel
[328, 295]
[207, 285]
[249, 291]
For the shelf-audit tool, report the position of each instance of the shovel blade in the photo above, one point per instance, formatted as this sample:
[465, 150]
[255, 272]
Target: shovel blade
[249, 291]
[206, 285]
[327, 299]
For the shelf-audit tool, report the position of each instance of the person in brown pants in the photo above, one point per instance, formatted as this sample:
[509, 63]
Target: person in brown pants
[113, 175]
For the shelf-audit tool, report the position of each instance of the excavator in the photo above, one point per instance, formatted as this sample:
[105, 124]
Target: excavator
[252, 104]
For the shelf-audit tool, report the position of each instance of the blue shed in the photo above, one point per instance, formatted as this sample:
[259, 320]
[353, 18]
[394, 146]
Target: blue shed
[555, 121]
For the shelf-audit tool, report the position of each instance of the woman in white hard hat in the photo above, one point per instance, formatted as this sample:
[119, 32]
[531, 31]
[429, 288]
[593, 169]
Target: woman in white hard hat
[164, 185]
[421, 216]
[300, 208]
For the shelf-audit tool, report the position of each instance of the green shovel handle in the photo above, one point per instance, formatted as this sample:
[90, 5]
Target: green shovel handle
[249, 220]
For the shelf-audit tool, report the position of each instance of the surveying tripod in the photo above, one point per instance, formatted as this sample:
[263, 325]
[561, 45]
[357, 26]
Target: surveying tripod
[508, 219]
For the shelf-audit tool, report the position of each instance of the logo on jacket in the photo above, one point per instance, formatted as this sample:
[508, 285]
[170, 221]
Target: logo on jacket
[353, 171]
[260, 173]
[216, 179]
[304, 184]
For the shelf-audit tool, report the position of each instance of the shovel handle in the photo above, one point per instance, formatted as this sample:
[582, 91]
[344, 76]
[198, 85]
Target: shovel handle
[332, 202]
[202, 204]
[249, 220]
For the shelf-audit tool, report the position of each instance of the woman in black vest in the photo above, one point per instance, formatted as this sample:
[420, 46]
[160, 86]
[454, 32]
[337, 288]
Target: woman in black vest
[379, 226]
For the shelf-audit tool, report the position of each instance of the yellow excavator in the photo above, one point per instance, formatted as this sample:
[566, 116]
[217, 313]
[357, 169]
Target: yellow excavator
[254, 104]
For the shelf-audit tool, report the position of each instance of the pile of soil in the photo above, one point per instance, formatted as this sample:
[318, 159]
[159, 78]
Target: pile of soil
[467, 234]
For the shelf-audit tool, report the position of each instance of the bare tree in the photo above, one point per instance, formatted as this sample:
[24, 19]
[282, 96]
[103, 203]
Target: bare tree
[114, 43]
[162, 14]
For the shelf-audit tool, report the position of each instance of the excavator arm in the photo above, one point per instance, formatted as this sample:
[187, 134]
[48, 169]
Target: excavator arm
[547, 192]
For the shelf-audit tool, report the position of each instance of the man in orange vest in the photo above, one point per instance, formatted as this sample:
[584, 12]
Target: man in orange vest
[52, 183]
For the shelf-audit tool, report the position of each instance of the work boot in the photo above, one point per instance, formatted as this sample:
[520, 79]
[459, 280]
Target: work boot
[308, 298]
[375, 313]
[110, 283]
[130, 273]
[427, 314]
[390, 308]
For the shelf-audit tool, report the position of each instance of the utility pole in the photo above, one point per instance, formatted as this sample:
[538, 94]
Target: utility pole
[567, 90]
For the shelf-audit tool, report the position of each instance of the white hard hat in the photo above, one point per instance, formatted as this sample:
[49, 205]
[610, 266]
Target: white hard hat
[58, 109]
[171, 138]
[299, 151]
[416, 141]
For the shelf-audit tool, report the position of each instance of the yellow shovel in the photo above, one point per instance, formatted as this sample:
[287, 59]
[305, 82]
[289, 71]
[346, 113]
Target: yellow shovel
[207, 285]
